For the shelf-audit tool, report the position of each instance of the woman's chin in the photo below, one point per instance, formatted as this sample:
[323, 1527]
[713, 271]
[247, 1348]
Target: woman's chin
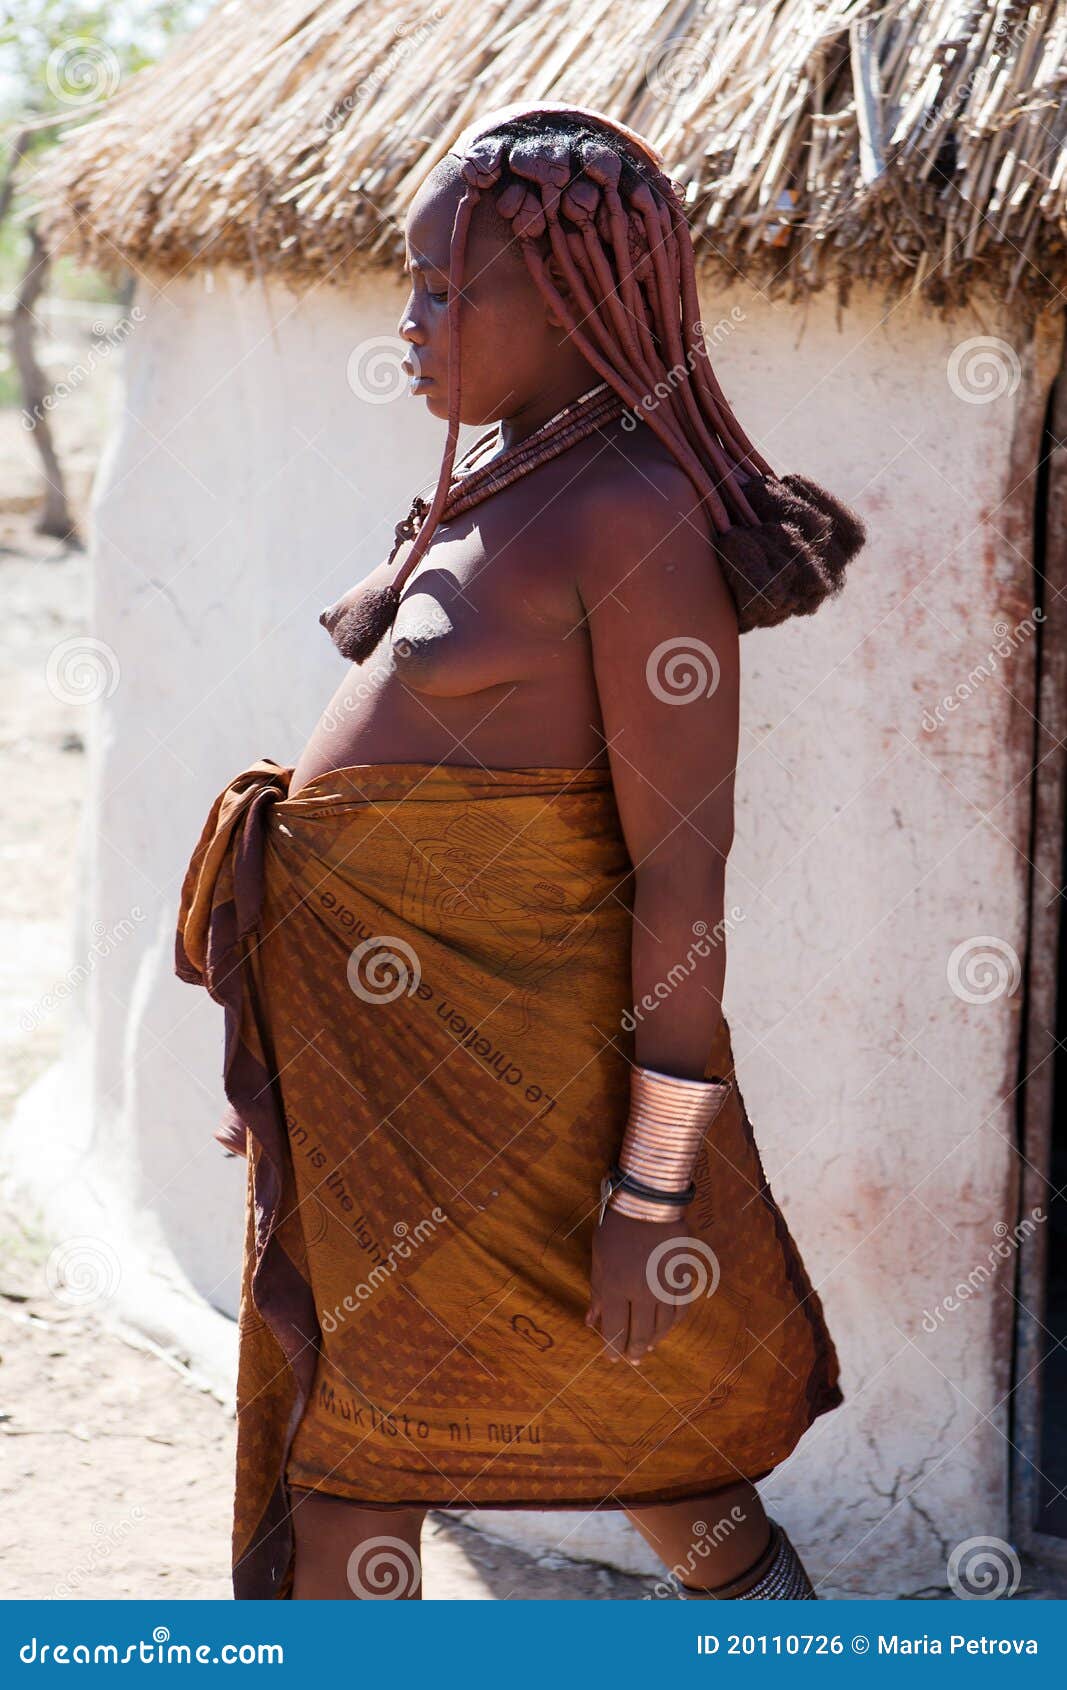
[435, 397]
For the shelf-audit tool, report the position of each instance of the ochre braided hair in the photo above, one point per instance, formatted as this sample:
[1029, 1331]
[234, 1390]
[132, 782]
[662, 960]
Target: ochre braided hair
[578, 186]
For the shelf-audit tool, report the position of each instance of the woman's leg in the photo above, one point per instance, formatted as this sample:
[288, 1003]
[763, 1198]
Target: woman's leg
[708, 1540]
[346, 1552]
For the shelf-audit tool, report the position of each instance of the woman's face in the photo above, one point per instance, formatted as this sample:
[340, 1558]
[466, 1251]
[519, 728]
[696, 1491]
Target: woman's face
[510, 343]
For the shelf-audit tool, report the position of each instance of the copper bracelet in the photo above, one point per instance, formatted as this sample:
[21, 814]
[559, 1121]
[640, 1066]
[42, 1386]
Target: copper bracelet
[664, 1132]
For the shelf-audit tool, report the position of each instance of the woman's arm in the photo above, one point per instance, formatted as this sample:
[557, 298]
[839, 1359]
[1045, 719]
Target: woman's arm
[665, 653]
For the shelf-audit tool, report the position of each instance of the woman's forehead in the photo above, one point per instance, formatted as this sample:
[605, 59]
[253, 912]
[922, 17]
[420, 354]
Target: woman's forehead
[431, 219]
[432, 215]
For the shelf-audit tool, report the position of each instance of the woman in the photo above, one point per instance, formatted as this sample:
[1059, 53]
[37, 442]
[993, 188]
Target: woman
[510, 1243]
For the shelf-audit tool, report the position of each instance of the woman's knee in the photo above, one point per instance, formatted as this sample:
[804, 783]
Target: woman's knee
[345, 1549]
[708, 1538]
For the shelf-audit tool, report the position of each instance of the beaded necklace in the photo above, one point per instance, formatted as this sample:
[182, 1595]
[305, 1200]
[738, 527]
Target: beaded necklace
[368, 614]
[471, 482]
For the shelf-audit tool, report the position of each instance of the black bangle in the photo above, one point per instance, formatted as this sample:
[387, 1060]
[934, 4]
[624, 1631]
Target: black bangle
[621, 1181]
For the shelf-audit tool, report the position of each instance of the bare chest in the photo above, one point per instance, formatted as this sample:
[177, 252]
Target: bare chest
[486, 606]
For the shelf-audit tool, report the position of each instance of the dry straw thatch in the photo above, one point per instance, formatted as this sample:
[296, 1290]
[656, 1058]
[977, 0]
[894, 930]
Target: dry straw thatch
[917, 144]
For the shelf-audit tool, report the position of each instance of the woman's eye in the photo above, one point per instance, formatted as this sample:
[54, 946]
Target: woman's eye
[440, 295]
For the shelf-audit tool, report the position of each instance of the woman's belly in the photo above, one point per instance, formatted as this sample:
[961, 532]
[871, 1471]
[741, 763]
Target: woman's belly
[547, 720]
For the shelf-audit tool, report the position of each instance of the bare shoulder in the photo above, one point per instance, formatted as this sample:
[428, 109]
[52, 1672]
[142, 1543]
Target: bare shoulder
[636, 513]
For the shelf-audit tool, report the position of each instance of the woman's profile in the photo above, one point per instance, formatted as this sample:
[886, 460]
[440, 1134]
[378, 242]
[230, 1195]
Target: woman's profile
[509, 1240]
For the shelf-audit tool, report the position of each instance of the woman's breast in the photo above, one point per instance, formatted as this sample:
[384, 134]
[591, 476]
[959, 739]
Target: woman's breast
[447, 643]
[489, 663]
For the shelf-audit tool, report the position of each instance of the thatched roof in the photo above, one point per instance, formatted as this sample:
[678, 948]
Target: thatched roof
[916, 143]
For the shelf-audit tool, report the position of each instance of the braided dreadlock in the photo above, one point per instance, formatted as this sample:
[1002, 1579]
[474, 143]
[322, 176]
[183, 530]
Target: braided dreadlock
[569, 187]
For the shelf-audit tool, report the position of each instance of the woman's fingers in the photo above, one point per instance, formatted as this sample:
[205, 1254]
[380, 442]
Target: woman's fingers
[642, 1327]
[665, 1316]
[615, 1326]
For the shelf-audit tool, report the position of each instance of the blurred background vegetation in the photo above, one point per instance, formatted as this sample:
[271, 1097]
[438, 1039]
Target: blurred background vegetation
[59, 61]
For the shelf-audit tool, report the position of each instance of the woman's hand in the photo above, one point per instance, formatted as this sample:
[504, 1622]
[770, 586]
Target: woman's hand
[631, 1306]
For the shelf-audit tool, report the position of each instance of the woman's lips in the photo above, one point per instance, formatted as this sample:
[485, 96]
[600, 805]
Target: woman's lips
[418, 378]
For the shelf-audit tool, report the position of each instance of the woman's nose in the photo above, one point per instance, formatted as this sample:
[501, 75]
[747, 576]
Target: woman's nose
[408, 327]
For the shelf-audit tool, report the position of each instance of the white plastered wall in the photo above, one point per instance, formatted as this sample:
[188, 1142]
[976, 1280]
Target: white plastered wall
[248, 485]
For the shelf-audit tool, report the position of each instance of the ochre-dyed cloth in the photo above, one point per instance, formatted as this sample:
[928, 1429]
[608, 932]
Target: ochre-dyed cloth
[425, 1143]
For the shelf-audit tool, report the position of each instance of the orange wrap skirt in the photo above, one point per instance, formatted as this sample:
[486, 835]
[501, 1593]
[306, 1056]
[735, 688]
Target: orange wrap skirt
[425, 970]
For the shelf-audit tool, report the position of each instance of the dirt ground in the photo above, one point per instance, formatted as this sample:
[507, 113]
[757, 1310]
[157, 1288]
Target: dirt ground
[115, 1471]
